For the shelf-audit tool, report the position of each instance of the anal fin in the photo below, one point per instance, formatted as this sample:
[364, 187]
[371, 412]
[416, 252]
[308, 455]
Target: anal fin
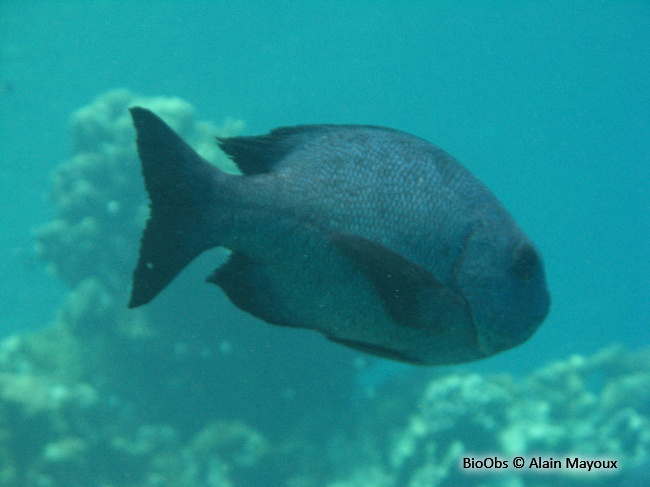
[247, 285]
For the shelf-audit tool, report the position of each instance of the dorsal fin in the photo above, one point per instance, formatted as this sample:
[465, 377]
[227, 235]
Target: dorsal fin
[258, 154]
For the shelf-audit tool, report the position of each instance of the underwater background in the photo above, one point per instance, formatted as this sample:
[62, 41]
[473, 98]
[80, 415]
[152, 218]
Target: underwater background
[548, 103]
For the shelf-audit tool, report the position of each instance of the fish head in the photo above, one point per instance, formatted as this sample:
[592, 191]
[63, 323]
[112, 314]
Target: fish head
[501, 275]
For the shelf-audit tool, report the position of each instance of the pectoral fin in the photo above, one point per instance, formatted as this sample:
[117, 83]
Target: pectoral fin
[412, 296]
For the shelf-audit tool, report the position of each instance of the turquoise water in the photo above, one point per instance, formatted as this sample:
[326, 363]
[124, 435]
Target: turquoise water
[546, 102]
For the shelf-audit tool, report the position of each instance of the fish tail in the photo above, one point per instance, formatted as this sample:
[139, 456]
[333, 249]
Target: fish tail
[182, 187]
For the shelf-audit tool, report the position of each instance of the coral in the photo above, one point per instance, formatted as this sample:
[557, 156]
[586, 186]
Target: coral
[58, 432]
[594, 407]
[60, 429]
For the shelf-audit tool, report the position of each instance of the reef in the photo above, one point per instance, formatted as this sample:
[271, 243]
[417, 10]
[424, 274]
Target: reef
[589, 407]
[62, 424]
[110, 397]
[62, 432]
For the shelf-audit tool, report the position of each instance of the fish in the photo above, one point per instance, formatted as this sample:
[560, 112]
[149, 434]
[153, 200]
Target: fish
[376, 238]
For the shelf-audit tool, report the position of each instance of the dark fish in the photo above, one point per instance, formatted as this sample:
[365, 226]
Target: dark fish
[376, 238]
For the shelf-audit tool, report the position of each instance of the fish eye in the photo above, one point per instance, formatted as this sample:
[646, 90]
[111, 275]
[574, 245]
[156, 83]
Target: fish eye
[526, 262]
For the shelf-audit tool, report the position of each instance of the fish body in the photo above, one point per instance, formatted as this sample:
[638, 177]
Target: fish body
[376, 238]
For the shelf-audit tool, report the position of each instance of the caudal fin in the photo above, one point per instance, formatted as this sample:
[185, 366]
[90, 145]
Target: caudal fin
[182, 189]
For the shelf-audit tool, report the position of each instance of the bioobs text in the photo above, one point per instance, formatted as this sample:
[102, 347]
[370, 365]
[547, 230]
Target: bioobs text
[489, 462]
